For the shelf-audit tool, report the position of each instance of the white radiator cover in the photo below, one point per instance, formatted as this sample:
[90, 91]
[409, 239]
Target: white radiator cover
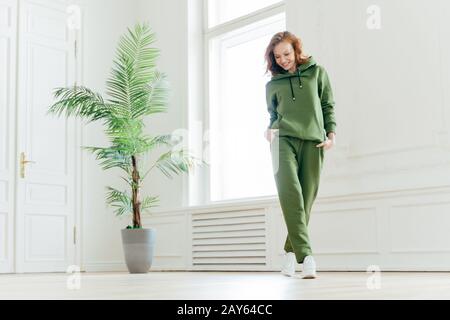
[229, 239]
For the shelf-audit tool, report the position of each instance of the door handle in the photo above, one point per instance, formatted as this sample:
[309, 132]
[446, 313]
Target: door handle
[23, 162]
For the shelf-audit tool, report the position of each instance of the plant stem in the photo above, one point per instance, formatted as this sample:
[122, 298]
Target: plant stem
[135, 195]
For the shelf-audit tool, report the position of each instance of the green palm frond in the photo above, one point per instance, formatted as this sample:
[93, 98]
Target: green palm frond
[135, 89]
[80, 102]
[174, 162]
[160, 140]
[112, 157]
[133, 69]
[146, 144]
[155, 100]
[120, 201]
[149, 202]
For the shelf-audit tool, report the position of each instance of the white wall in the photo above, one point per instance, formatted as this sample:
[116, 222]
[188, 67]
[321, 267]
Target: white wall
[393, 125]
[104, 22]
[385, 187]
[170, 27]
[392, 106]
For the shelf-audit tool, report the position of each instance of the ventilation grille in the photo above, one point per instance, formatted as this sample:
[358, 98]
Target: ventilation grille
[229, 240]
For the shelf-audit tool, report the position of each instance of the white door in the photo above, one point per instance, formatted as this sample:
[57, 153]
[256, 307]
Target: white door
[8, 32]
[45, 198]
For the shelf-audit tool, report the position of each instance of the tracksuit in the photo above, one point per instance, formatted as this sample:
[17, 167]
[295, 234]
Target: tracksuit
[301, 108]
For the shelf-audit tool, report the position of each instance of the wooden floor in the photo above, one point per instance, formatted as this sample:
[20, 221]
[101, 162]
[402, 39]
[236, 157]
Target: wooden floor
[227, 286]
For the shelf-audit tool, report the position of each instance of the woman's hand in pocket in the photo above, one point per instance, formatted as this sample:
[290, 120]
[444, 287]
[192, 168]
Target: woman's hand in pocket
[329, 143]
[269, 134]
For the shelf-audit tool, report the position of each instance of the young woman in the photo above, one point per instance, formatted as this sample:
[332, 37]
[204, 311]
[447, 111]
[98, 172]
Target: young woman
[302, 125]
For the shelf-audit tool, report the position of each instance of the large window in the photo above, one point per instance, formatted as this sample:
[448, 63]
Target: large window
[220, 11]
[240, 163]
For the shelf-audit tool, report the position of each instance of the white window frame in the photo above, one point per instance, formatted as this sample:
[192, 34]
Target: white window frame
[203, 185]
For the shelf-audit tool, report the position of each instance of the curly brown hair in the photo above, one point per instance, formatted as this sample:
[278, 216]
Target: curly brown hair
[300, 56]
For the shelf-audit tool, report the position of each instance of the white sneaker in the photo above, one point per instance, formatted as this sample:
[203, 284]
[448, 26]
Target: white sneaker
[289, 262]
[309, 268]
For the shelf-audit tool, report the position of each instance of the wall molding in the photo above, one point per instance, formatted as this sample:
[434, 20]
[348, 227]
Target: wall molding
[379, 205]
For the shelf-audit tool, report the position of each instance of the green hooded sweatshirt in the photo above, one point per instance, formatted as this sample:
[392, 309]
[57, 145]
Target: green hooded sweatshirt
[301, 104]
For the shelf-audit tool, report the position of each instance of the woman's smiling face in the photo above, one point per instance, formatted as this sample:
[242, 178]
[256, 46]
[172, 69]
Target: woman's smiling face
[285, 56]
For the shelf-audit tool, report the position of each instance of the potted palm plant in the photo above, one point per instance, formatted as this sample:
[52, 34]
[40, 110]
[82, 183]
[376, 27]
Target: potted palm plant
[135, 90]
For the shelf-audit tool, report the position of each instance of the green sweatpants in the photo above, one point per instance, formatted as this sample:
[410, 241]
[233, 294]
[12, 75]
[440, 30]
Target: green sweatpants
[297, 165]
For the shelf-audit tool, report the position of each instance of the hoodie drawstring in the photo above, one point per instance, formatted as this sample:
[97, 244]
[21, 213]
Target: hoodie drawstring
[292, 90]
[300, 84]
[299, 80]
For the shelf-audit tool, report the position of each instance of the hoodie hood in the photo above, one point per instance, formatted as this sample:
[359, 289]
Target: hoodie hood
[287, 75]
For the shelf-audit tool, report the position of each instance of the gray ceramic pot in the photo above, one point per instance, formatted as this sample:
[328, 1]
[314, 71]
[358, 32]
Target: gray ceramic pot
[138, 245]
